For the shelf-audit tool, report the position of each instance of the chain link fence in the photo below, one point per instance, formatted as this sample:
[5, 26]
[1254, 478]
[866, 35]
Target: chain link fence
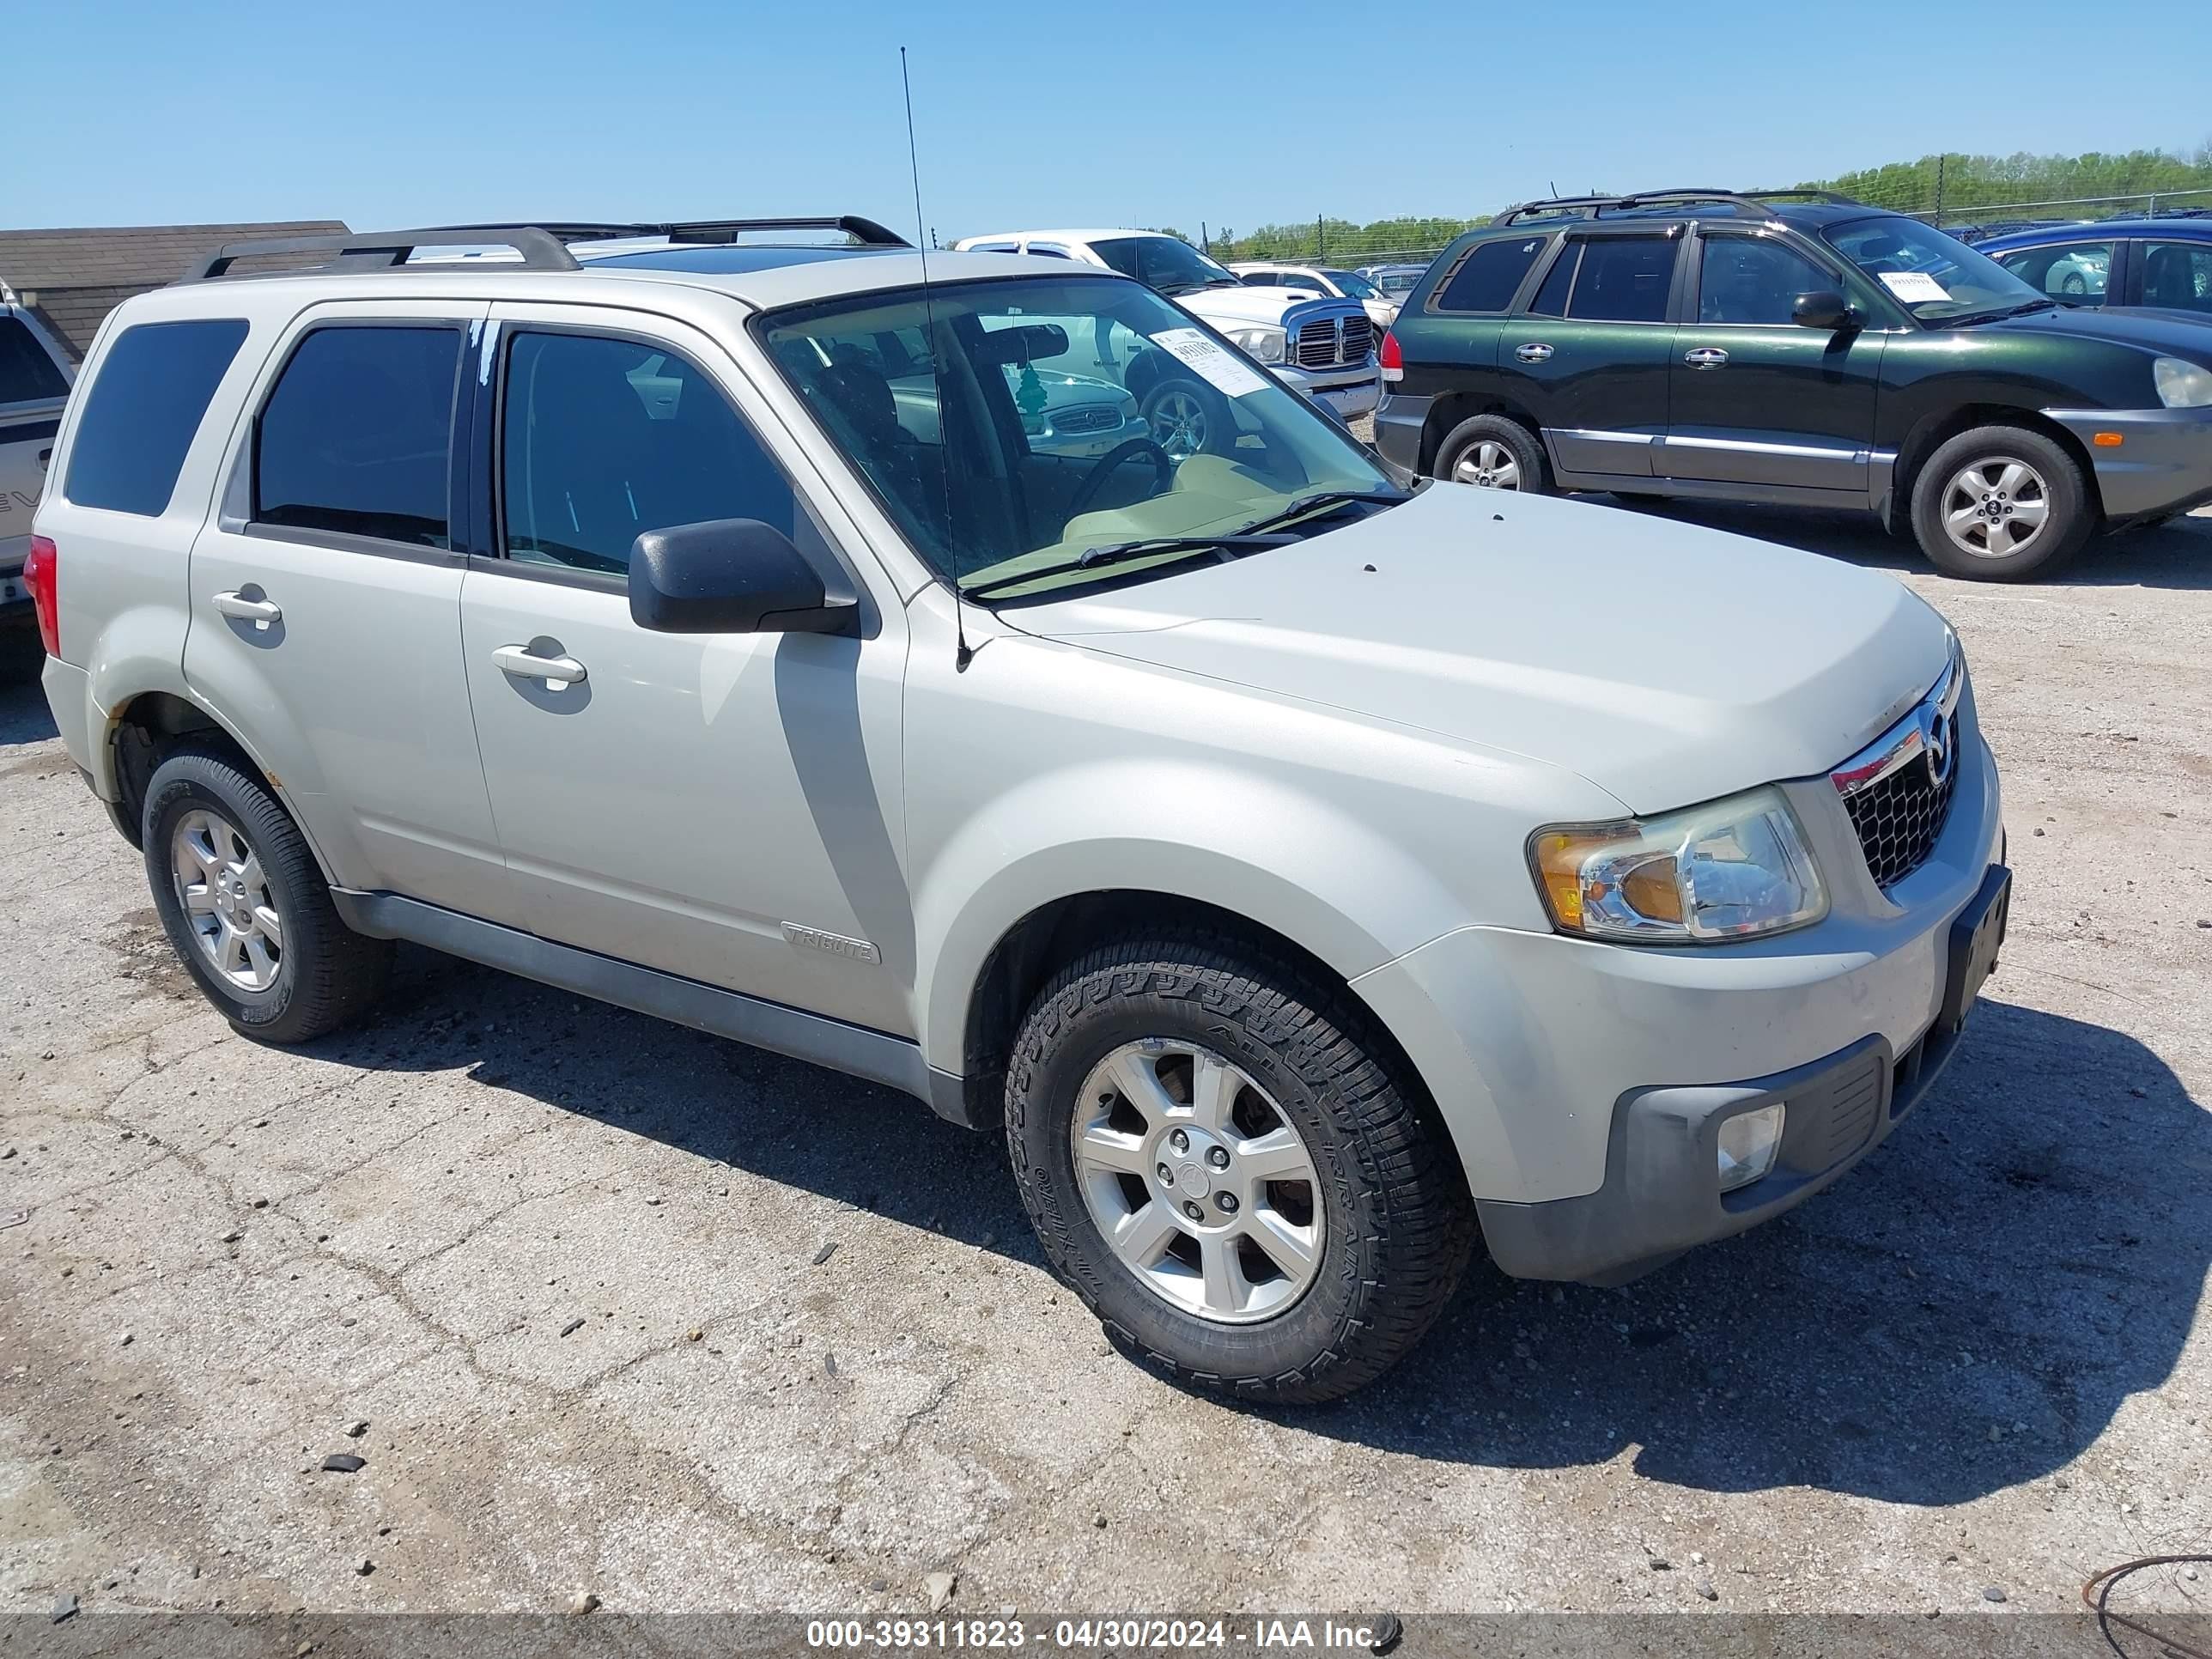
[1343, 245]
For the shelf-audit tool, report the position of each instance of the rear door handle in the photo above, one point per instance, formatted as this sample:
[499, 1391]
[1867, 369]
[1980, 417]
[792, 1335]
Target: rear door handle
[1533, 353]
[261, 612]
[1705, 357]
[524, 664]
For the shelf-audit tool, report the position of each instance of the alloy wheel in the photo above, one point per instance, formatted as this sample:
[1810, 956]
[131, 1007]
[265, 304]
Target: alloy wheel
[227, 900]
[1996, 508]
[1488, 463]
[1197, 1182]
[1178, 423]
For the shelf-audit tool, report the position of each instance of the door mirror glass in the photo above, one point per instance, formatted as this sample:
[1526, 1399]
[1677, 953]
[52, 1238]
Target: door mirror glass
[733, 576]
[1824, 308]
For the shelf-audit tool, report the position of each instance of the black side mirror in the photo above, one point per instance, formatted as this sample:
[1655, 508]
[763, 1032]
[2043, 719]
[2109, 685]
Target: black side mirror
[1825, 309]
[734, 576]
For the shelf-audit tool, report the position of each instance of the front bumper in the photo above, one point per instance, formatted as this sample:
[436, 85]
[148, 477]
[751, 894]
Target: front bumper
[2162, 465]
[1661, 1193]
[1350, 392]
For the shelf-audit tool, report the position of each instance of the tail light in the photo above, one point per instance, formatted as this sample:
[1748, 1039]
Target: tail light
[42, 575]
[1394, 360]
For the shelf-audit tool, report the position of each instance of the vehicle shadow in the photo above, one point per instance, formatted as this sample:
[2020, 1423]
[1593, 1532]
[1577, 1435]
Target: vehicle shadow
[2177, 554]
[24, 716]
[1965, 1312]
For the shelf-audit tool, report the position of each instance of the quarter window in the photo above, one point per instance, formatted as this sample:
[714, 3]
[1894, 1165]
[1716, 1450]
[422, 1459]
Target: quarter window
[2072, 270]
[1489, 276]
[357, 433]
[146, 402]
[2178, 274]
[1624, 279]
[1749, 279]
[603, 440]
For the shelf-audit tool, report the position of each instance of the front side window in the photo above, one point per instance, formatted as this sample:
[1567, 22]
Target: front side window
[1624, 279]
[1054, 416]
[602, 440]
[1935, 276]
[1489, 276]
[2072, 270]
[1755, 280]
[27, 374]
[2177, 276]
[1163, 263]
[146, 402]
[357, 435]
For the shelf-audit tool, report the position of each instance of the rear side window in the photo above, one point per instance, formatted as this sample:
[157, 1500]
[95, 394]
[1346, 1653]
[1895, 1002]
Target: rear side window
[27, 374]
[1489, 277]
[2178, 274]
[1551, 300]
[1624, 279]
[356, 435]
[145, 404]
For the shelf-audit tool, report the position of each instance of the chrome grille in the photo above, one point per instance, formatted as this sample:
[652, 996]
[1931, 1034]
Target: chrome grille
[1085, 417]
[1334, 342]
[1898, 790]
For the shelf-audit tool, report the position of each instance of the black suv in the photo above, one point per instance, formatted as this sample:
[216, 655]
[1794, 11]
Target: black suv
[1800, 347]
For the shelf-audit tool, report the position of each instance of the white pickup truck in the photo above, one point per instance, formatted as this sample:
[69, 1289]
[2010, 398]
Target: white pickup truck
[1324, 347]
[35, 380]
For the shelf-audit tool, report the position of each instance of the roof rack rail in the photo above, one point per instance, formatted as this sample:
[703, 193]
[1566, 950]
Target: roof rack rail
[865, 232]
[382, 250]
[542, 245]
[1752, 201]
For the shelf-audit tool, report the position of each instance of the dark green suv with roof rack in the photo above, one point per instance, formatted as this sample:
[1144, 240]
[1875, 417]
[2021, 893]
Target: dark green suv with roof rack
[1801, 349]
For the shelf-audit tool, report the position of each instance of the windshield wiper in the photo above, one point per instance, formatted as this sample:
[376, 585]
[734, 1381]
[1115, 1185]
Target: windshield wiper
[1114, 553]
[1330, 498]
[1974, 317]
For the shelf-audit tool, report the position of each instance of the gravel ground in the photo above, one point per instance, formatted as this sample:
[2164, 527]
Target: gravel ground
[574, 1270]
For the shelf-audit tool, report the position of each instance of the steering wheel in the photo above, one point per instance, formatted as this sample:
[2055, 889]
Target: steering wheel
[1163, 467]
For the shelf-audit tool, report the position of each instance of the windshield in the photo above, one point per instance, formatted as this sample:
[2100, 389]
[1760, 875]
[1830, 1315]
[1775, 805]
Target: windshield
[1078, 414]
[1935, 276]
[1354, 285]
[1163, 262]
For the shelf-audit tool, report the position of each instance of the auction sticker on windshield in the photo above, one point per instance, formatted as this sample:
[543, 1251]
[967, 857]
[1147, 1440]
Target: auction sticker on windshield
[1220, 369]
[1913, 286]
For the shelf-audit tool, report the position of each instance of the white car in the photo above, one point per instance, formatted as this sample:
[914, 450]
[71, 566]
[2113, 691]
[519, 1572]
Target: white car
[34, 378]
[1323, 282]
[1307, 878]
[1323, 346]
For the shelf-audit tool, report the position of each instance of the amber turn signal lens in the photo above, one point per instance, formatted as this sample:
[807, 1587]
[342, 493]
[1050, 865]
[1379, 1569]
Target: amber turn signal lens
[2109, 439]
[1559, 858]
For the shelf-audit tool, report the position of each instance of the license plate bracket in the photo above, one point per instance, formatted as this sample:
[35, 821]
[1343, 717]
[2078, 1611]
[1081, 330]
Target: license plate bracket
[1976, 936]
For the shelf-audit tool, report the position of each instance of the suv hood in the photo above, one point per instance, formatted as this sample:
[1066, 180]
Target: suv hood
[2182, 333]
[1667, 664]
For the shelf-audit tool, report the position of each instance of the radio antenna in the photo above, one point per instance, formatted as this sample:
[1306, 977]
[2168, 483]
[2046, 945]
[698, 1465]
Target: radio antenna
[962, 655]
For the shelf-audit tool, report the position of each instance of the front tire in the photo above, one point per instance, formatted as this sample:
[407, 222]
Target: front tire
[2000, 504]
[1222, 1158]
[1187, 419]
[1493, 451]
[245, 907]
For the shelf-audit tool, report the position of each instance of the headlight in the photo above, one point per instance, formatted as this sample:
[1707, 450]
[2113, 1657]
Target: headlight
[1728, 870]
[2182, 385]
[1264, 342]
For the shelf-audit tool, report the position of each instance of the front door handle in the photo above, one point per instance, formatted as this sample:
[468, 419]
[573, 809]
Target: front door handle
[1705, 357]
[526, 665]
[261, 612]
[1533, 353]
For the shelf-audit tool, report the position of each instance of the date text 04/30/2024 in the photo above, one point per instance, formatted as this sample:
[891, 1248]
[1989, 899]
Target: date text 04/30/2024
[1258, 1635]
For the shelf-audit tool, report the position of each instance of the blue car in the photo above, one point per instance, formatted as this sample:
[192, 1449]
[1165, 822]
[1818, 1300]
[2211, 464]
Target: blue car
[2162, 264]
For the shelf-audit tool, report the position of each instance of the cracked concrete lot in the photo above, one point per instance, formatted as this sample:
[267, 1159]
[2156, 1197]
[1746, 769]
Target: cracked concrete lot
[567, 1265]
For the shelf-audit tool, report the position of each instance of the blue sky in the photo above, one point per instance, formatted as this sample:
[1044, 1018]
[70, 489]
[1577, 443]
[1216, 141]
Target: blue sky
[400, 111]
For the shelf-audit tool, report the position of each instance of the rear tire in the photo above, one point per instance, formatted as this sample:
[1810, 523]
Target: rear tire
[1353, 1225]
[2000, 504]
[245, 907]
[1493, 451]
